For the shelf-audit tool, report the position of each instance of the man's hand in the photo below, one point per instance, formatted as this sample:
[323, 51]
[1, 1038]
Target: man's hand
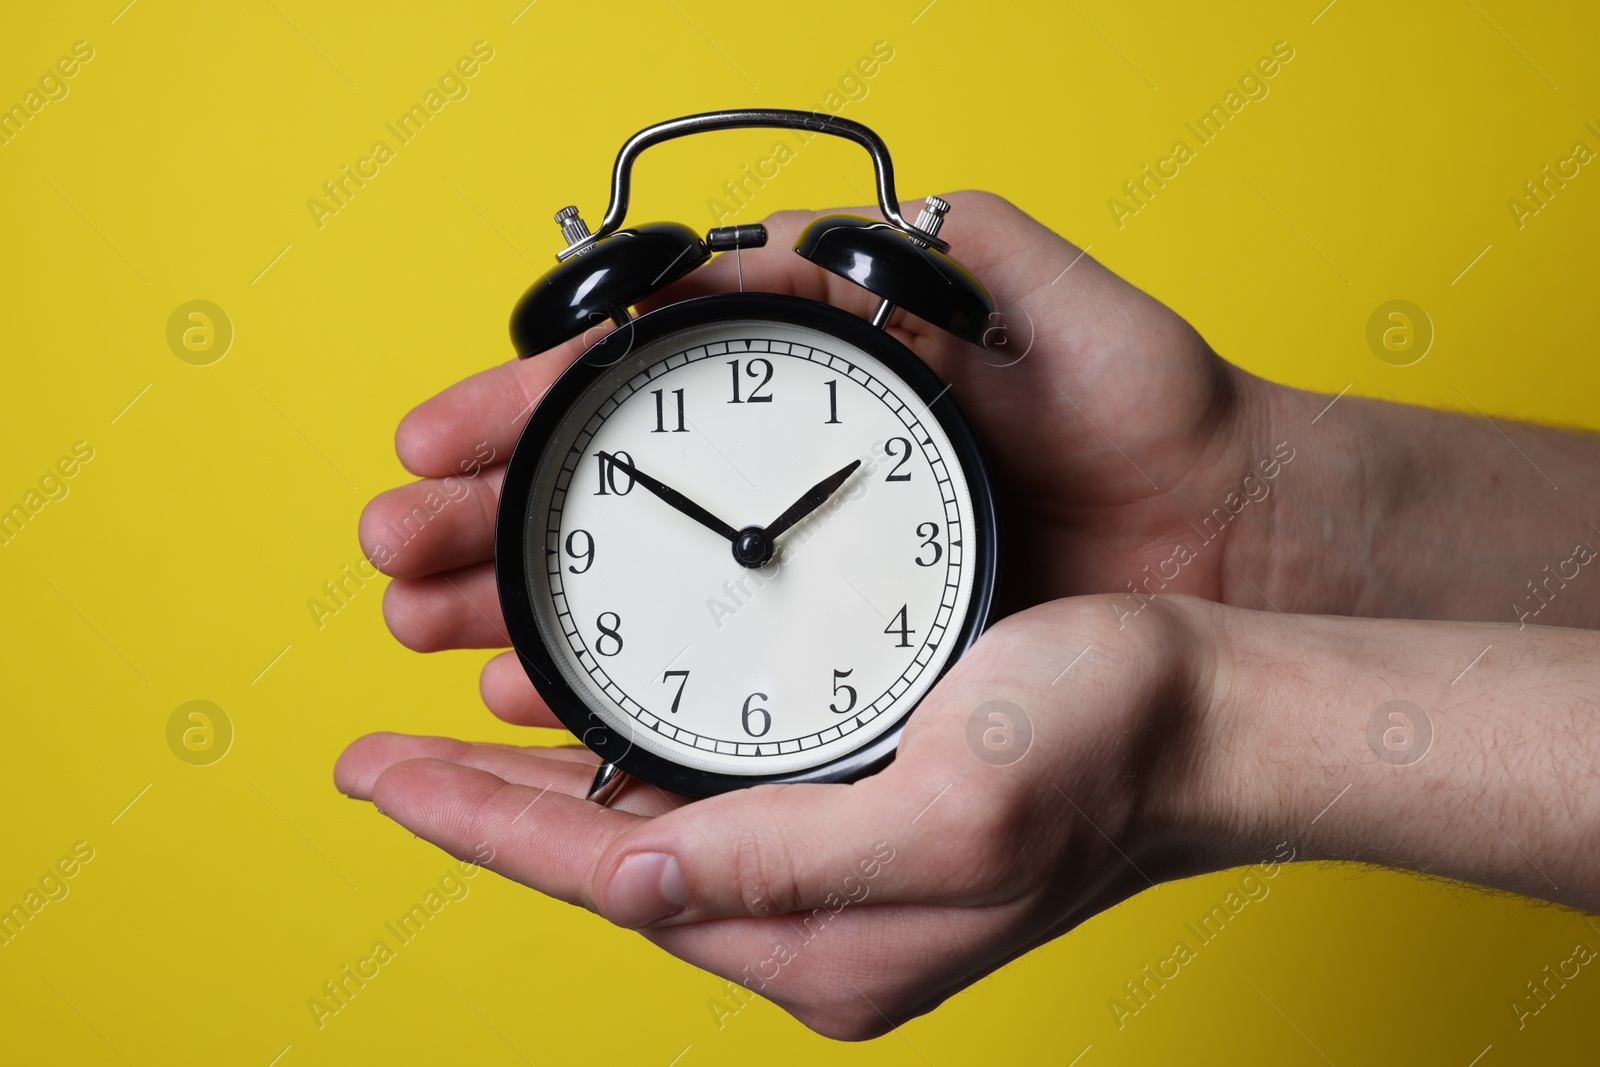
[1006, 818]
[1063, 765]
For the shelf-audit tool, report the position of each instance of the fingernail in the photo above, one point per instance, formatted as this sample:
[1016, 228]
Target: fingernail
[646, 888]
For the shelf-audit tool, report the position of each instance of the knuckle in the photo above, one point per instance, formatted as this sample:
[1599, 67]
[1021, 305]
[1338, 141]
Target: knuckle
[997, 848]
[788, 222]
[765, 870]
[485, 492]
[790, 218]
[528, 379]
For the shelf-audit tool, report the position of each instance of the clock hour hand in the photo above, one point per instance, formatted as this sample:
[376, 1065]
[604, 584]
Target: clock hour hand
[673, 498]
[814, 498]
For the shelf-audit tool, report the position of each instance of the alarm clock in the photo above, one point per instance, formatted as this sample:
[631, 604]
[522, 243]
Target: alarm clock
[743, 535]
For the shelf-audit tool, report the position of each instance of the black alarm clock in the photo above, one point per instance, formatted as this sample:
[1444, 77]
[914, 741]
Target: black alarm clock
[743, 535]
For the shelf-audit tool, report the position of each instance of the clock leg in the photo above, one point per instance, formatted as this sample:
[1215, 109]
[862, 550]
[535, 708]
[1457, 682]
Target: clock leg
[607, 780]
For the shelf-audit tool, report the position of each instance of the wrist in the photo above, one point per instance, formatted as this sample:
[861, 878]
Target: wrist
[1197, 819]
[1369, 741]
[1270, 736]
[1304, 548]
[1383, 513]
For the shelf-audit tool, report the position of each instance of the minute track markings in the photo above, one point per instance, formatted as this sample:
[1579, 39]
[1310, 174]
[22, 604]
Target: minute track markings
[904, 414]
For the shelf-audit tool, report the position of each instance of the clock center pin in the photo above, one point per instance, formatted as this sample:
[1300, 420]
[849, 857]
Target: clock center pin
[752, 548]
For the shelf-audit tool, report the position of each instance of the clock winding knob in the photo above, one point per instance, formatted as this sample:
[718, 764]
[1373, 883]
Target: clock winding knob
[932, 216]
[573, 228]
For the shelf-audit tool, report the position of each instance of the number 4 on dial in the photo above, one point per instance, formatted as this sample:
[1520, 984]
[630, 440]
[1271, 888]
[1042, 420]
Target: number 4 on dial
[898, 626]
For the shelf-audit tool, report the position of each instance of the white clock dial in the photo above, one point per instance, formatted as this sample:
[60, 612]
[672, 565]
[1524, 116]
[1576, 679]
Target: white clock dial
[670, 640]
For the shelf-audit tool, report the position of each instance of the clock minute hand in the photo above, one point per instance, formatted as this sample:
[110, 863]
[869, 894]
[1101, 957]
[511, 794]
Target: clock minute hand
[673, 498]
[814, 498]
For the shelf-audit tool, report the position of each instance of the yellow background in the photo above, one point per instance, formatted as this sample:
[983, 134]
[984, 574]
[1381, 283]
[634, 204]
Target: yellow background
[180, 564]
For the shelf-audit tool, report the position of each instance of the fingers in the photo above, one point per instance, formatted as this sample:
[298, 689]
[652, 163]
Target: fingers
[477, 420]
[548, 839]
[368, 757]
[507, 692]
[763, 856]
[437, 524]
[567, 770]
[756, 853]
[773, 268]
[1013, 254]
[458, 609]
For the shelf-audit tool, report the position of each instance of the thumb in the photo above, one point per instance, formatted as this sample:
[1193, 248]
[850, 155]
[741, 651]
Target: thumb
[942, 824]
[774, 850]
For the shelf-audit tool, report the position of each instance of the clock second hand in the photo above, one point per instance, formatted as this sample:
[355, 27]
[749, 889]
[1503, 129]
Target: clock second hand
[673, 498]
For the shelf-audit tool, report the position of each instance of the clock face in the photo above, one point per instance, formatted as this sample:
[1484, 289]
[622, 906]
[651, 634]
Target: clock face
[653, 636]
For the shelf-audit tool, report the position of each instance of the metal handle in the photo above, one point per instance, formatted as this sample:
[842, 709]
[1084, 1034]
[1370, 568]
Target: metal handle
[746, 118]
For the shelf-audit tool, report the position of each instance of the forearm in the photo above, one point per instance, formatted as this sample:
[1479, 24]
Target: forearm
[1402, 512]
[1488, 772]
